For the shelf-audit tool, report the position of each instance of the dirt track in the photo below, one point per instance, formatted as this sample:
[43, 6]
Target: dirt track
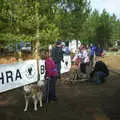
[82, 101]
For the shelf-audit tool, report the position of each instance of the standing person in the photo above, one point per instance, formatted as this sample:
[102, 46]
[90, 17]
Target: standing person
[85, 63]
[81, 59]
[116, 44]
[92, 54]
[51, 74]
[66, 49]
[57, 55]
[99, 51]
[86, 55]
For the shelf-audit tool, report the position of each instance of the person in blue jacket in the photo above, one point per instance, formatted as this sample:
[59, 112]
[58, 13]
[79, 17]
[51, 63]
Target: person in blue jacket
[92, 53]
[99, 51]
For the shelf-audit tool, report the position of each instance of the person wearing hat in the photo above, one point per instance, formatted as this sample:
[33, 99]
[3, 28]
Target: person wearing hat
[57, 56]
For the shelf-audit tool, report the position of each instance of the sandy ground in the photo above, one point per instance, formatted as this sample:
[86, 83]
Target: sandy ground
[112, 61]
[80, 101]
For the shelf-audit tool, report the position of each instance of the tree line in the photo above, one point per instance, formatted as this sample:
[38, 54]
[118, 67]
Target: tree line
[45, 21]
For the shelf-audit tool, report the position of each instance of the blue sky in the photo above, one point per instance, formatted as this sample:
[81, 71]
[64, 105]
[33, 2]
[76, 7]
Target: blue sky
[111, 6]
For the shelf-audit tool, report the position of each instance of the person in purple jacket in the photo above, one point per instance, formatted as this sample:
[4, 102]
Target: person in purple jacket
[51, 74]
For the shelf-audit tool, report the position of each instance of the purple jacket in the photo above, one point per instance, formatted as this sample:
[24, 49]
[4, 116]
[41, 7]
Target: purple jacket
[50, 68]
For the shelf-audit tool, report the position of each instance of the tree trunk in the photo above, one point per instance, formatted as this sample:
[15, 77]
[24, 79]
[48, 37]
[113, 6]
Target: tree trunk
[36, 49]
[36, 43]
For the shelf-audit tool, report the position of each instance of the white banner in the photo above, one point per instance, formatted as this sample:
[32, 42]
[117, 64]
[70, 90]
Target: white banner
[73, 45]
[42, 69]
[17, 75]
[66, 65]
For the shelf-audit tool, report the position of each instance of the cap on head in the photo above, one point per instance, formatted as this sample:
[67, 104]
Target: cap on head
[58, 42]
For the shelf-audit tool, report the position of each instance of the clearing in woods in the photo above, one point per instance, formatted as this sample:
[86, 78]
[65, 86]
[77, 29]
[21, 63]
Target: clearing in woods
[83, 101]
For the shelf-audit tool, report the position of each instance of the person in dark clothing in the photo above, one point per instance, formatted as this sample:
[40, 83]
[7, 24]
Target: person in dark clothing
[99, 51]
[99, 73]
[57, 56]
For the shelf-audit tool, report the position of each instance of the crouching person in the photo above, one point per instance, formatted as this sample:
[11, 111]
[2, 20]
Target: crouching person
[51, 75]
[99, 73]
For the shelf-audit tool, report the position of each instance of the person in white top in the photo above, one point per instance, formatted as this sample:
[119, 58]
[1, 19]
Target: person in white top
[78, 56]
[82, 57]
[86, 60]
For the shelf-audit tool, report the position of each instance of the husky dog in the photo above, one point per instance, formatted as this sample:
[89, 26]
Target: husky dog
[35, 92]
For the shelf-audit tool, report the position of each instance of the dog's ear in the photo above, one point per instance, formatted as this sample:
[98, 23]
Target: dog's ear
[40, 83]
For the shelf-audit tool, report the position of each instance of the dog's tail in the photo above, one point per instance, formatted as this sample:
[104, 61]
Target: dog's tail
[40, 83]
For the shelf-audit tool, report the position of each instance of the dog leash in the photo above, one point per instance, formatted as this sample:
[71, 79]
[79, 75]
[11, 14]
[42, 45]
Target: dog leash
[47, 95]
[48, 88]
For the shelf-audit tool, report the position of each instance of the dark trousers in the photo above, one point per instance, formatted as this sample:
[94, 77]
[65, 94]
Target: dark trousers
[58, 67]
[91, 60]
[99, 77]
[83, 68]
[52, 88]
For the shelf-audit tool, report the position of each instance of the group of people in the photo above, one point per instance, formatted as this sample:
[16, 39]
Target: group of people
[85, 57]
[89, 64]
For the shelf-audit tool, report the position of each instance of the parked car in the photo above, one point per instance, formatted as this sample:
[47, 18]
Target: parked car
[8, 49]
[27, 47]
